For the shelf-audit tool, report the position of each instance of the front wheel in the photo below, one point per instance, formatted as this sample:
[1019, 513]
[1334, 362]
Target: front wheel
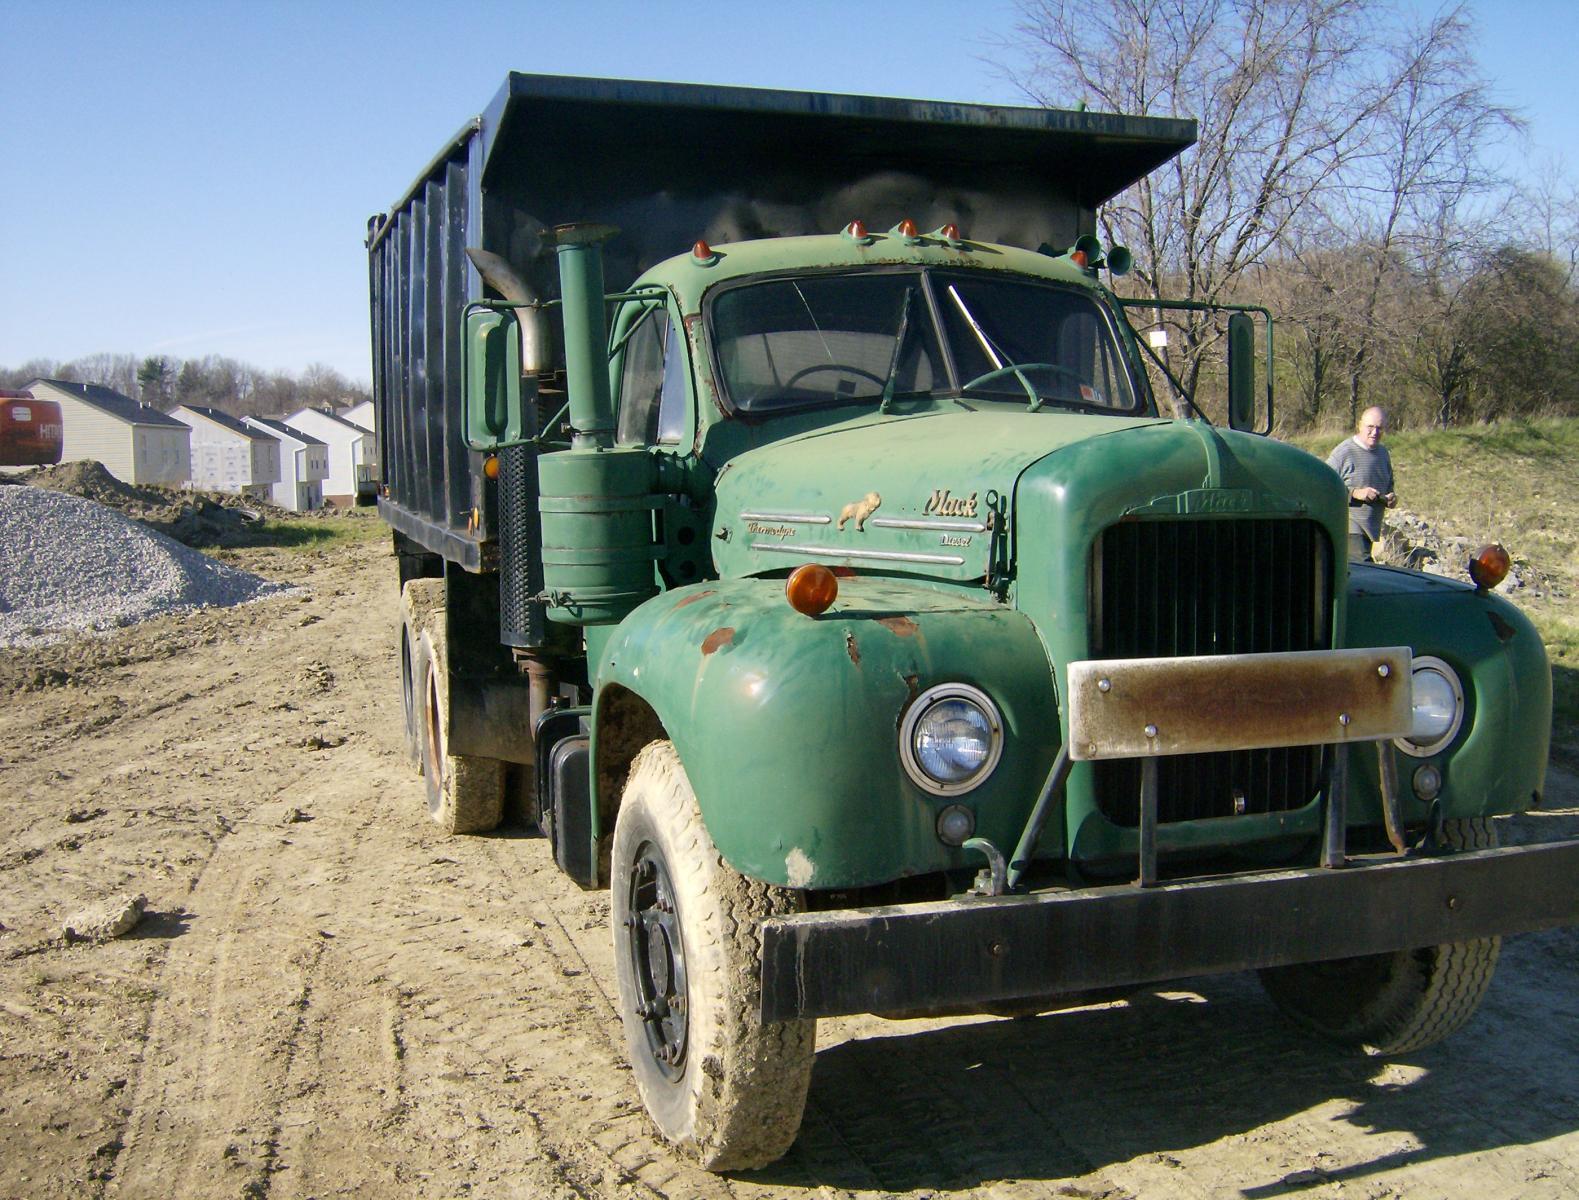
[721, 1085]
[1398, 1002]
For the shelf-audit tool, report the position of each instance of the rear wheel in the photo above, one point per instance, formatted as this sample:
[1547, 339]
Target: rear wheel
[410, 702]
[420, 599]
[1394, 1003]
[720, 1084]
[465, 794]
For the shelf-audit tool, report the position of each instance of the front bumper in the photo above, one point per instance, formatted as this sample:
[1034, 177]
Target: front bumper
[912, 959]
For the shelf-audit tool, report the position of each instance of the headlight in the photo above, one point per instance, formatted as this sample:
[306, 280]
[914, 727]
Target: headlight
[1438, 708]
[950, 739]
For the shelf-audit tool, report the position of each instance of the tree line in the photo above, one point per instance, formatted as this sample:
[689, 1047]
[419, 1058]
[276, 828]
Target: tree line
[1355, 173]
[212, 381]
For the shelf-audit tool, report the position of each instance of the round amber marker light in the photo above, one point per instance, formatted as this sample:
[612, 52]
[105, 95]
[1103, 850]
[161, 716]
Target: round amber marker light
[811, 589]
[490, 466]
[1489, 566]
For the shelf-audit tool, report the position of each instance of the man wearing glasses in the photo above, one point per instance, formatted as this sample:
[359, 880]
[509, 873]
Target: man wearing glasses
[1363, 464]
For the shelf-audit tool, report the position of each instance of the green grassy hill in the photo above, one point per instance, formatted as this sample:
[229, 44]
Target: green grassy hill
[1516, 483]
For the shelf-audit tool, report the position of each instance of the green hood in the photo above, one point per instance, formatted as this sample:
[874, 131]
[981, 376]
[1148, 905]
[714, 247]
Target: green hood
[927, 495]
[959, 495]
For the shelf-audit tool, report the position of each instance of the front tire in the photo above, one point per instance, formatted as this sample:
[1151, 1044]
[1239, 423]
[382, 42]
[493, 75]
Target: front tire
[722, 1086]
[1398, 1002]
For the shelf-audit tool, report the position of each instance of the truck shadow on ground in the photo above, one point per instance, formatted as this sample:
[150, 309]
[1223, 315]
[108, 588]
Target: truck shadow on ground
[1066, 1094]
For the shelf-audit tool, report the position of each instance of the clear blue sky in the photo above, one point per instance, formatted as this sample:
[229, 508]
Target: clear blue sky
[194, 178]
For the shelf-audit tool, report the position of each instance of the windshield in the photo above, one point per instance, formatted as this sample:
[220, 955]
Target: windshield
[820, 340]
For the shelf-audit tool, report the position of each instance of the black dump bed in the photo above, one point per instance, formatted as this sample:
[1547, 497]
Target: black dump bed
[668, 164]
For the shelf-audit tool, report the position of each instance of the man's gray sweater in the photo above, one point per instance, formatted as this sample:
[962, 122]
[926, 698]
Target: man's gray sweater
[1359, 467]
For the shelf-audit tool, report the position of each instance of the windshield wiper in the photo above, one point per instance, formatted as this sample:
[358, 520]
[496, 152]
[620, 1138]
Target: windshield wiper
[999, 367]
[899, 349]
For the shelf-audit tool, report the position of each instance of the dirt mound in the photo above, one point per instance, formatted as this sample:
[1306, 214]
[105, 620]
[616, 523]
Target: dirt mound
[90, 479]
[191, 517]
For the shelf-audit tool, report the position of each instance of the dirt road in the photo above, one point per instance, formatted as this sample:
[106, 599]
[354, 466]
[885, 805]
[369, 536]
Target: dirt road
[326, 998]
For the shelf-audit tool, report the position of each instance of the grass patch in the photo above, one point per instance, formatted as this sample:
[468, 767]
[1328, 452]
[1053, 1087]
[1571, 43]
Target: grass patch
[319, 532]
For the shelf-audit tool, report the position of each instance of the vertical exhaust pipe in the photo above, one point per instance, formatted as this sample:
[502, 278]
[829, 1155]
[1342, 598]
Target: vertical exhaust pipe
[580, 250]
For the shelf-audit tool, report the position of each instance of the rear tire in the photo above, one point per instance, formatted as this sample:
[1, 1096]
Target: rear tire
[1398, 1002]
[722, 1086]
[465, 794]
[410, 705]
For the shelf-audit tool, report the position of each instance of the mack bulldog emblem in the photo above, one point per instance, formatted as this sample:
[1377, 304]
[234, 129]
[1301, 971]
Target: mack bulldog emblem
[943, 503]
[859, 510]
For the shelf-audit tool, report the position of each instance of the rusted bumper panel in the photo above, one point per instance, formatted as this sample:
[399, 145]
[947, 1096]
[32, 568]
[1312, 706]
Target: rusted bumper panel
[1135, 707]
[921, 957]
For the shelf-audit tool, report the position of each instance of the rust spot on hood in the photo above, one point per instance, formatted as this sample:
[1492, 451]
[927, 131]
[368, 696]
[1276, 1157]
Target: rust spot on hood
[694, 599]
[899, 626]
[718, 638]
[851, 648]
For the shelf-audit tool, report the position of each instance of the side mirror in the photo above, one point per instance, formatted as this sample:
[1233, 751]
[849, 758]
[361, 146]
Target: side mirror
[1242, 373]
[491, 378]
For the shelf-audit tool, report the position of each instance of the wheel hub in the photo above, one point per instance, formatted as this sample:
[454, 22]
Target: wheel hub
[657, 956]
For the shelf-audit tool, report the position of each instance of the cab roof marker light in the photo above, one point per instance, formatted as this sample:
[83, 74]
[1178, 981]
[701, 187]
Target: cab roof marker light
[1086, 253]
[856, 232]
[950, 235]
[906, 230]
[704, 255]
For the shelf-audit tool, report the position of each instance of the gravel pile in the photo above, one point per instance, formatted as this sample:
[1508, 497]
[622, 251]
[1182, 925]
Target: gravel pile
[68, 565]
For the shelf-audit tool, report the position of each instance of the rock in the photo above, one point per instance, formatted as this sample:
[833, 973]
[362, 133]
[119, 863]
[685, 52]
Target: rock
[110, 919]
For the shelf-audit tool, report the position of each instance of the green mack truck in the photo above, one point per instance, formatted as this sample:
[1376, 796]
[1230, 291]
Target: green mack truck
[786, 524]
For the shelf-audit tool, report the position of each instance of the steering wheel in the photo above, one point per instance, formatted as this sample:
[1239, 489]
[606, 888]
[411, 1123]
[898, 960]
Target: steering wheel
[1020, 368]
[815, 367]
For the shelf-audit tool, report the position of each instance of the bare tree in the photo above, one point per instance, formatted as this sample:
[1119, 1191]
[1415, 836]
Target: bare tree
[1550, 204]
[1296, 101]
[116, 371]
[1282, 101]
[1422, 158]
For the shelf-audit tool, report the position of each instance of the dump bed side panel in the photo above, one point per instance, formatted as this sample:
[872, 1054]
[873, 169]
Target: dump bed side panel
[420, 281]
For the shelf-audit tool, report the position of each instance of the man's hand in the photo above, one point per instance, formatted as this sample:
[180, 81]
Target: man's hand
[1366, 495]
[1392, 499]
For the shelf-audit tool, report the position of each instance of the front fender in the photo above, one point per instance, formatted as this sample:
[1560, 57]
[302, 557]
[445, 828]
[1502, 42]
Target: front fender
[788, 725]
[1497, 761]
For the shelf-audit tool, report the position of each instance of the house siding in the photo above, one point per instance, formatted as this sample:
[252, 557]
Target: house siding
[134, 453]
